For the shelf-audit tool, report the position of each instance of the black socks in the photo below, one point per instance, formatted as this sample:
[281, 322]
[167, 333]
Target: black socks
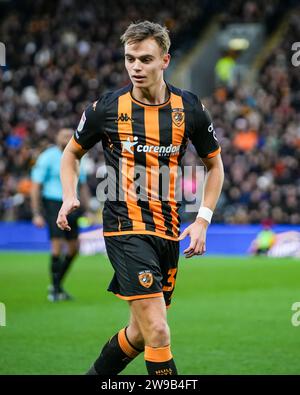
[159, 361]
[55, 272]
[59, 268]
[66, 263]
[117, 353]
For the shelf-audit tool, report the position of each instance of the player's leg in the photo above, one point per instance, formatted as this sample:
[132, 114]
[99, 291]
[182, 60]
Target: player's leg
[151, 316]
[151, 313]
[67, 260]
[72, 252]
[134, 334]
[137, 276]
[72, 242]
[55, 265]
[119, 351]
[56, 236]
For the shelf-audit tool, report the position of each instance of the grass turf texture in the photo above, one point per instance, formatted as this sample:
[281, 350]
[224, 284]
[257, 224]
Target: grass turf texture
[228, 316]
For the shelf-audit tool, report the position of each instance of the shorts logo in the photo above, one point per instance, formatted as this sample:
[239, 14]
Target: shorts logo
[146, 279]
[178, 116]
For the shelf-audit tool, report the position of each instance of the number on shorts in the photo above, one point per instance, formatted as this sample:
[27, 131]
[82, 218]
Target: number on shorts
[171, 280]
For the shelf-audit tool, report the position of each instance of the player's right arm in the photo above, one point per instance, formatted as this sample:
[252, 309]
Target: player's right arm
[69, 173]
[88, 133]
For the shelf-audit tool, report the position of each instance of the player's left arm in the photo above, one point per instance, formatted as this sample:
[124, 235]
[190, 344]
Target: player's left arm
[212, 190]
[204, 138]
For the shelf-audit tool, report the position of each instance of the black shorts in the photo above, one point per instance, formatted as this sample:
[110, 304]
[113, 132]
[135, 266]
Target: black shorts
[145, 266]
[51, 209]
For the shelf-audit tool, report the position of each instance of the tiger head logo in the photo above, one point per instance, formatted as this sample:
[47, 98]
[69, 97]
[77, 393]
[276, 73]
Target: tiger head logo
[178, 116]
[146, 278]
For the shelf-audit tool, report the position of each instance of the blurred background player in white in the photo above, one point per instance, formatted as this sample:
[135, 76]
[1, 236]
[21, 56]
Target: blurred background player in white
[46, 200]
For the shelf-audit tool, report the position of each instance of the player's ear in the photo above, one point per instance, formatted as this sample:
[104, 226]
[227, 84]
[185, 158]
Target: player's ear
[166, 61]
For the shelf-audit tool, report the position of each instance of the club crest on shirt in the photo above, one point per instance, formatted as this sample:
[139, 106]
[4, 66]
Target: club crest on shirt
[178, 116]
[146, 278]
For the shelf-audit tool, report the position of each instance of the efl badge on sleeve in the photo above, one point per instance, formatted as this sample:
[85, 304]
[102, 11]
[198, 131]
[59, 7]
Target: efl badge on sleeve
[178, 116]
[94, 105]
[81, 123]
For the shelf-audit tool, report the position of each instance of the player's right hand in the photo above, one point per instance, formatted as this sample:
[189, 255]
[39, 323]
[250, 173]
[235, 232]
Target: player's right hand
[38, 220]
[67, 208]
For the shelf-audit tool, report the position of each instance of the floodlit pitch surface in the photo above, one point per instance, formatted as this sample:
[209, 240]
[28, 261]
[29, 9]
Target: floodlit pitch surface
[228, 316]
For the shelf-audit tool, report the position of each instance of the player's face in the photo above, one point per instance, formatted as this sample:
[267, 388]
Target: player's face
[63, 137]
[145, 63]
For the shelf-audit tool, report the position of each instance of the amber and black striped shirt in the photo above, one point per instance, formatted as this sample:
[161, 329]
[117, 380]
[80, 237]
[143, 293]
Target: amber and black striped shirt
[140, 142]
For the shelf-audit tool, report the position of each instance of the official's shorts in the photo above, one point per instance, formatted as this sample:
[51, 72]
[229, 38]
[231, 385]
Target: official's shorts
[145, 266]
[51, 209]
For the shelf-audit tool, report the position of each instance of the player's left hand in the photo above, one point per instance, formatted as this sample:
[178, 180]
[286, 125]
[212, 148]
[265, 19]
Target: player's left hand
[197, 232]
[67, 208]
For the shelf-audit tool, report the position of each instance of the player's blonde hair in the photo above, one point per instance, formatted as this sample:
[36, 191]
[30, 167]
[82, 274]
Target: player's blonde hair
[139, 31]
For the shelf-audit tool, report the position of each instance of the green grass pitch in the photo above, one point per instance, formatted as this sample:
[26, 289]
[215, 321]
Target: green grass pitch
[228, 316]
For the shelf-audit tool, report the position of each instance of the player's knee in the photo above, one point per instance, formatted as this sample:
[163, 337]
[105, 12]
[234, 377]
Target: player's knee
[73, 249]
[56, 246]
[134, 334]
[137, 340]
[159, 334]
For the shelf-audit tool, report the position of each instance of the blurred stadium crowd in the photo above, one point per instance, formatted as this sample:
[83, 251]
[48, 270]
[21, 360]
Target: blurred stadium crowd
[259, 129]
[62, 57]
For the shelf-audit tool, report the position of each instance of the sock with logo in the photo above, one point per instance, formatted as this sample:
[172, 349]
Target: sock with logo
[159, 361]
[117, 353]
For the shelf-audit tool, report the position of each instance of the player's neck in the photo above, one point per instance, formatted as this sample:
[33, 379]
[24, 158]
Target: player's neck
[157, 94]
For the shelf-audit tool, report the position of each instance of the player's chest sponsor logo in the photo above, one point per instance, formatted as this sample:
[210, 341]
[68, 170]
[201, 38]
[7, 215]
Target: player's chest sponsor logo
[128, 144]
[146, 278]
[178, 116]
[132, 143]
